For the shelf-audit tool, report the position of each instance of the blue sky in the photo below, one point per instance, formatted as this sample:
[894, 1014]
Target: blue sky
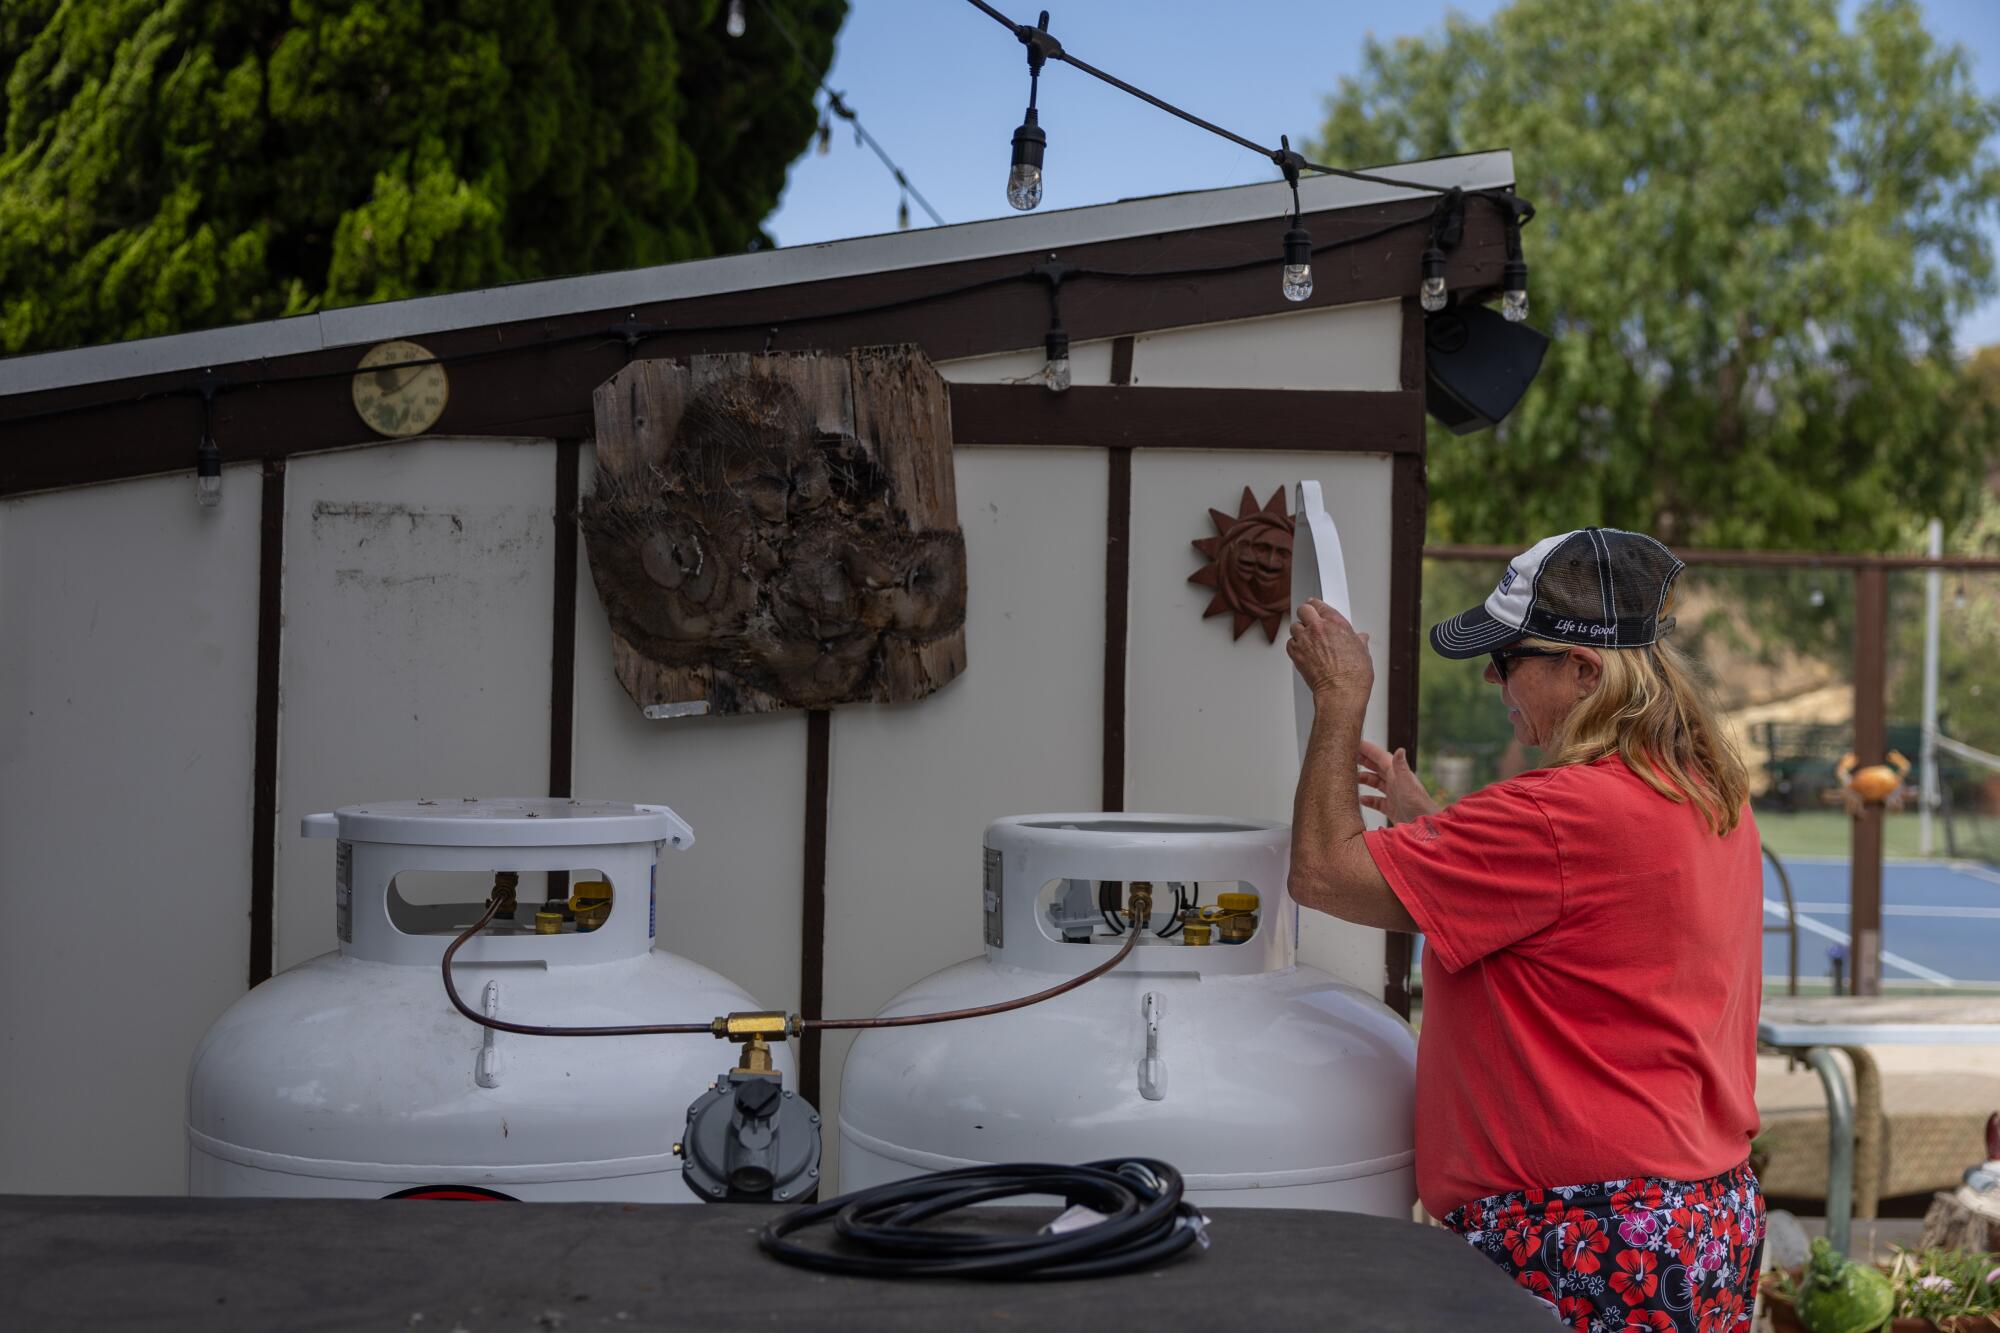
[941, 86]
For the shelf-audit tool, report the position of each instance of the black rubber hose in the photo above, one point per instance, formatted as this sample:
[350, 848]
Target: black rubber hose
[1145, 1220]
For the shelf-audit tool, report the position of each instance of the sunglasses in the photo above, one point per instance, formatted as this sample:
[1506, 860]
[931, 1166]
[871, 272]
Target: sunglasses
[1501, 659]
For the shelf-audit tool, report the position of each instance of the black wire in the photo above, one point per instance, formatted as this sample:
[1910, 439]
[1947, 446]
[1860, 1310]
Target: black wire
[630, 336]
[880, 1232]
[847, 113]
[1111, 921]
[1179, 918]
[1056, 52]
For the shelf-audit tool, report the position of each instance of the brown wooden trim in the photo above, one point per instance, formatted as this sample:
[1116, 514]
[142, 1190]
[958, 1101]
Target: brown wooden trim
[562, 661]
[1117, 598]
[1113, 416]
[1412, 364]
[1409, 504]
[1117, 624]
[544, 390]
[1871, 674]
[1788, 559]
[264, 764]
[1121, 360]
[812, 917]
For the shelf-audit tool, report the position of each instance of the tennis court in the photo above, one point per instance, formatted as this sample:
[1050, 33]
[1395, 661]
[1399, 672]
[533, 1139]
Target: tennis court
[1940, 919]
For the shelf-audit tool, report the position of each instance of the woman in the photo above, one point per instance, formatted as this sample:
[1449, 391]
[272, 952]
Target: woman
[1593, 957]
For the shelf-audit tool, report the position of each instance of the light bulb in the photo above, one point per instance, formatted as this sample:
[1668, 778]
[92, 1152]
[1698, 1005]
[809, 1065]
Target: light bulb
[735, 25]
[1055, 371]
[1024, 178]
[1298, 276]
[825, 137]
[1431, 292]
[1514, 285]
[902, 215]
[208, 475]
[1024, 187]
[1817, 597]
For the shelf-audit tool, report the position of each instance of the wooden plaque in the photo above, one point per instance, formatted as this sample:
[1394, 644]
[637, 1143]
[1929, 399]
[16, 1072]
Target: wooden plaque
[777, 531]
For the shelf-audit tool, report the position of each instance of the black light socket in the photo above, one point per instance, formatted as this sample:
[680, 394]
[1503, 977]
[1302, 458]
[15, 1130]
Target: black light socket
[1029, 142]
[1298, 246]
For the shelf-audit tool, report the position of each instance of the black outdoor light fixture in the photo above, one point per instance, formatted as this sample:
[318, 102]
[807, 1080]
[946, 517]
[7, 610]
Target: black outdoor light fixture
[1024, 177]
[208, 454]
[1297, 282]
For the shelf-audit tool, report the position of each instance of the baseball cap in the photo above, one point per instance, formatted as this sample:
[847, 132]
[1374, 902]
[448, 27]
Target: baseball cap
[1602, 587]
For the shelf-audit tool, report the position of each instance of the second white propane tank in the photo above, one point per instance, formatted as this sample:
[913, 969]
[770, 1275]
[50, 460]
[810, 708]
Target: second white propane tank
[1265, 1082]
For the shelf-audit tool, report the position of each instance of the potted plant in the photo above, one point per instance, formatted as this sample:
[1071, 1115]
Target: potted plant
[1953, 1291]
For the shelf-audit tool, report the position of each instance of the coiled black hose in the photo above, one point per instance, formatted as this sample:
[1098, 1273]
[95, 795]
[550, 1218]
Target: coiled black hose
[1145, 1221]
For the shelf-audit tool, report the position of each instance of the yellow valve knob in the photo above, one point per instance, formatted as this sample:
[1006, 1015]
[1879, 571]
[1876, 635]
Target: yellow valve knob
[590, 903]
[548, 923]
[1236, 902]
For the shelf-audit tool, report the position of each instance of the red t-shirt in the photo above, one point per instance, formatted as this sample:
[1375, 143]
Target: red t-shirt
[1593, 966]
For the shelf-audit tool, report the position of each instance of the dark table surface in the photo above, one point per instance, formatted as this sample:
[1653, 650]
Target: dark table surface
[303, 1264]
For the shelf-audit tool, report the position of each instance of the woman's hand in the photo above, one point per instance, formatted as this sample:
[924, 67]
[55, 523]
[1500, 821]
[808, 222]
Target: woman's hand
[1402, 797]
[1331, 658]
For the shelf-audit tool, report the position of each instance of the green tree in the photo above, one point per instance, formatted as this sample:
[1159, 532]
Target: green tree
[179, 164]
[1757, 230]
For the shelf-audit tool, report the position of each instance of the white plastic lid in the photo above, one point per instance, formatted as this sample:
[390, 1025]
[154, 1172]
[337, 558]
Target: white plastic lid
[504, 821]
[1318, 570]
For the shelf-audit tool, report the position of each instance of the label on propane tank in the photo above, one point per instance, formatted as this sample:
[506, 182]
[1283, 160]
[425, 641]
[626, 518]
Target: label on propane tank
[343, 890]
[993, 925]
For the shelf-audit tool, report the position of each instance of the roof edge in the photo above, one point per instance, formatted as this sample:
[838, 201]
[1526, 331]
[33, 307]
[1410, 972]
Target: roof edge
[551, 297]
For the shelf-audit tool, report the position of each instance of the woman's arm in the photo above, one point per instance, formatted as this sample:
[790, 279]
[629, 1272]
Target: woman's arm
[1332, 871]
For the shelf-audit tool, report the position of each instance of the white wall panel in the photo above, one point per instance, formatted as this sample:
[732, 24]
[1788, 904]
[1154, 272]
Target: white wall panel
[419, 585]
[914, 786]
[1339, 347]
[731, 901]
[128, 652]
[1210, 726]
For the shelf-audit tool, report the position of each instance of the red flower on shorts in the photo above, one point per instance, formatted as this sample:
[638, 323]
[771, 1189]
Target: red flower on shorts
[1585, 1241]
[1522, 1241]
[1536, 1281]
[1637, 1195]
[1576, 1311]
[1648, 1321]
[1636, 1279]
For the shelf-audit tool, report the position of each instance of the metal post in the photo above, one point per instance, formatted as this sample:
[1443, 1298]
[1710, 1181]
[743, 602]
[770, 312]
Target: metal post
[1839, 1148]
[1933, 581]
[1871, 624]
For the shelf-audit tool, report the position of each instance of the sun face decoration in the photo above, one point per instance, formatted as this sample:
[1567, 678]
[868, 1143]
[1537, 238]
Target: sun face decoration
[1249, 564]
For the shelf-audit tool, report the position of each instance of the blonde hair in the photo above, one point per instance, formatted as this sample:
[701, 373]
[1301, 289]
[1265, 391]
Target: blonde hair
[1653, 710]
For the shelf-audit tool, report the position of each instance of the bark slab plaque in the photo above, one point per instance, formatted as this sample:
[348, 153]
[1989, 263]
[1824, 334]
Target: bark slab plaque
[777, 531]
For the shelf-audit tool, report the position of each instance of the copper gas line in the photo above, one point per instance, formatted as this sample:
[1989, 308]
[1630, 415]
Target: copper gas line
[797, 1024]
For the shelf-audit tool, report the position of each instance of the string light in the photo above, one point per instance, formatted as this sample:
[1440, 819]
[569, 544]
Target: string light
[207, 454]
[1024, 175]
[1297, 282]
[1024, 178]
[1514, 274]
[1447, 230]
[735, 25]
[1055, 345]
[836, 105]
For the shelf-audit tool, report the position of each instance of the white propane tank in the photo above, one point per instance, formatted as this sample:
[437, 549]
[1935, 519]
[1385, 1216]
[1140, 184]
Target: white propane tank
[1265, 1082]
[351, 1075]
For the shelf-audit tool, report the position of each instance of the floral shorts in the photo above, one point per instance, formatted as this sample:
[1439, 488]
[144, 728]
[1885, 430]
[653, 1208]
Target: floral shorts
[1630, 1256]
